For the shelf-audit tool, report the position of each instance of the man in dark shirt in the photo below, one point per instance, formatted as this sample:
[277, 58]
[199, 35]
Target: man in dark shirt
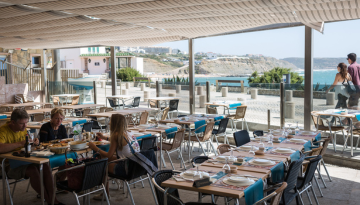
[354, 71]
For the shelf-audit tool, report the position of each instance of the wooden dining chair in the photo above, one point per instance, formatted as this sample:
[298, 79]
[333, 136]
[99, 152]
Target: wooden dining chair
[274, 196]
[239, 116]
[29, 107]
[143, 118]
[75, 100]
[56, 100]
[86, 111]
[211, 110]
[202, 137]
[102, 109]
[39, 117]
[223, 148]
[174, 147]
[165, 113]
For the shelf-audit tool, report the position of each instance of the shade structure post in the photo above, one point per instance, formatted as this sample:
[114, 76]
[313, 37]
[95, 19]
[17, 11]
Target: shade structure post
[191, 77]
[57, 85]
[207, 91]
[282, 105]
[113, 70]
[44, 78]
[308, 65]
[94, 90]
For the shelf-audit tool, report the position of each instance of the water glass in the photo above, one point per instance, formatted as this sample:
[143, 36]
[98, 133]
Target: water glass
[297, 129]
[226, 166]
[270, 135]
[197, 174]
[289, 130]
[252, 152]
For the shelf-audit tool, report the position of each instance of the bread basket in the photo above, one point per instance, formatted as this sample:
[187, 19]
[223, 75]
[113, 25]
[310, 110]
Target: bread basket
[58, 150]
[77, 145]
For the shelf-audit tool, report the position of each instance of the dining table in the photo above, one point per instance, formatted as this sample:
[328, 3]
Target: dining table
[246, 168]
[11, 106]
[80, 107]
[121, 98]
[159, 99]
[227, 105]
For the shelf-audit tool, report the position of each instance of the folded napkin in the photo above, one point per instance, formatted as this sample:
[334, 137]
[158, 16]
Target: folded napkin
[246, 159]
[234, 105]
[3, 117]
[295, 156]
[170, 130]
[218, 118]
[277, 173]
[281, 139]
[307, 146]
[217, 176]
[254, 192]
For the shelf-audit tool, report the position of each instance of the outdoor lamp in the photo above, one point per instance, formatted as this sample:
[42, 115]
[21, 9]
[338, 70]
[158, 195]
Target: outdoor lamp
[89, 60]
[104, 60]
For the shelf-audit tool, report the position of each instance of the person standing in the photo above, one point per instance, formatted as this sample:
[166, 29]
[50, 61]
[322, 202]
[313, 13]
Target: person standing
[354, 71]
[340, 90]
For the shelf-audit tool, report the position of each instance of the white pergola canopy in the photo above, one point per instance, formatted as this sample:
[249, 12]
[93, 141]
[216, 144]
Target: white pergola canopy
[77, 23]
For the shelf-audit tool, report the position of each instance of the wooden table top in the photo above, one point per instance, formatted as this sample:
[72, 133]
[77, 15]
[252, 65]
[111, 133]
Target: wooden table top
[212, 189]
[163, 98]
[24, 104]
[66, 122]
[223, 103]
[31, 159]
[66, 95]
[36, 111]
[123, 112]
[80, 106]
[153, 130]
[120, 96]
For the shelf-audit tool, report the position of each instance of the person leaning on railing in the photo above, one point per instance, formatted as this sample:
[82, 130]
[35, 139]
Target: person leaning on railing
[12, 137]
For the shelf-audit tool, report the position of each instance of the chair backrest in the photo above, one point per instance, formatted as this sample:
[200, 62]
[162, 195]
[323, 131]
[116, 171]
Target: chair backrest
[96, 125]
[144, 118]
[199, 128]
[153, 104]
[48, 105]
[258, 133]
[208, 131]
[136, 102]
[75, 100]
[240, 112]
[223, 125]
[111, 102]
[223, 148]
[173, 105]
[87, 126]
[315, 120]
[179, 136]
[165, 113]
[279, 192]
[56, 100]
[108, 109]
[316, 151]
[241, 137]
[94, 173]
[102, 109]
[325, 145]
[291, 178]
[86, 111]
[212, 110]
[148, 143]
[29, 107]
[39, 117]
[199, 159]
[158, 178]
[310, 170]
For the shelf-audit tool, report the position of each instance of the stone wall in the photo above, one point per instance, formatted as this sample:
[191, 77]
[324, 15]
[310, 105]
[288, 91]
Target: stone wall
[8, 91]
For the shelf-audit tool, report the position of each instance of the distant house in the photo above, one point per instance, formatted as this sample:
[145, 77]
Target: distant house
[211, 55]
[96, 61]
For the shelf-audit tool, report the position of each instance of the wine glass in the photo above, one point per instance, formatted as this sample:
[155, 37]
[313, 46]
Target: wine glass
[252, 152]
[270, 135]
[197, 174]
[285, 133]
[289, 130]
[297, 129]
[226, 166]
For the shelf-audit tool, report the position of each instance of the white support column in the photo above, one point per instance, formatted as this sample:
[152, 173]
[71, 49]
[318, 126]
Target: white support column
[308, 92]
[44, 78]
[113, 70]
[191, 77]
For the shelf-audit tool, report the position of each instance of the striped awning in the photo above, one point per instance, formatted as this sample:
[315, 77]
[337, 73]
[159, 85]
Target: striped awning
[77, 23]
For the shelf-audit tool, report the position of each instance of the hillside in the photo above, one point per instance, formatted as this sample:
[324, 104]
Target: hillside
[239, 66]
[319, 63]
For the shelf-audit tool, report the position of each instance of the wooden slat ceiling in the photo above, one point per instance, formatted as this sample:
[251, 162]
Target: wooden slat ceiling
[72, 23]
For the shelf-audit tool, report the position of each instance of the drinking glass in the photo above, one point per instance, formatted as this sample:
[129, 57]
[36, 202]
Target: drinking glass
[289, 130]
[297, 129]
[270, 135]
[252, 152]
[285, 134]
[197, 174]
[261, 143]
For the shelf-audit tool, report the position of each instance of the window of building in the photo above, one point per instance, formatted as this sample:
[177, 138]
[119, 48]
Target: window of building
[89, 49]
[93, 49]
[97, 49]
[97, 63]
[36, 60]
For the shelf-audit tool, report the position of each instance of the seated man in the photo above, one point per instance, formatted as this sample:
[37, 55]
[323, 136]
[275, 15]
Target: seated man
[12, 137]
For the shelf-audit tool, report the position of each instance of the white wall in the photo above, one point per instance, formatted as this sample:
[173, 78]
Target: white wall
[72, 55]
[96, 70]
[138, 64]
[86, 50]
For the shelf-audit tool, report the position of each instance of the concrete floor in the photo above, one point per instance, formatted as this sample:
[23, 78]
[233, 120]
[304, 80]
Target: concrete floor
[343, 190]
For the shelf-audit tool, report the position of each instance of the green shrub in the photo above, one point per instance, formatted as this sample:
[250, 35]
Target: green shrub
[127, 74]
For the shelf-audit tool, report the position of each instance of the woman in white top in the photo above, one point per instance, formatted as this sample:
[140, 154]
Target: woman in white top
[340, 90]
[122, 144]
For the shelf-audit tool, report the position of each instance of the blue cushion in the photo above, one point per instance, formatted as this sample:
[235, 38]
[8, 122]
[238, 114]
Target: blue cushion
[3, 117]
[277, 173]
[218, 118]
[79, 121]
[199, 124]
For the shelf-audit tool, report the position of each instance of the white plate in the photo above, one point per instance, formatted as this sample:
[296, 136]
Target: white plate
[307, 133]
[81, 148]
[263, 163]
[138, 134]
[144, 125]
[238, 179]
[42, 154]
[247, 147]
[191, 177]
[223, 158]
[284, 150]
[163, 127]
[245, 183]
[297, 140]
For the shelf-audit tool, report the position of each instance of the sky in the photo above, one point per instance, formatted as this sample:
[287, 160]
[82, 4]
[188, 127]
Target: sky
[338, 40]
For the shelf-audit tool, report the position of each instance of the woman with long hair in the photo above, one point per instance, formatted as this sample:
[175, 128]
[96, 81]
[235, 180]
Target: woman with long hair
[340, 90]
[122, 144]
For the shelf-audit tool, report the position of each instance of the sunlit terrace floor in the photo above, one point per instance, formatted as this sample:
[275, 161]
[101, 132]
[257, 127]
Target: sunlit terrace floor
[343, 190]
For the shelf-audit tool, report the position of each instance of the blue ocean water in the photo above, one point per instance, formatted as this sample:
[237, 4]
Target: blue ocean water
[320, 76]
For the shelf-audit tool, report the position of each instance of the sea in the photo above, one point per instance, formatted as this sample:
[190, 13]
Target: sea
[320, 76]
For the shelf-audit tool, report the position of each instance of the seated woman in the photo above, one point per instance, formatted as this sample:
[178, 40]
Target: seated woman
[122, 144]
[53, 129]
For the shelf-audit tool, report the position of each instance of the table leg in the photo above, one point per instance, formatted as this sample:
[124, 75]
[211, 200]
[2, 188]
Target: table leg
[165, 195]
[161, 154]
[352, 137]
[123, 101]
[42, 183]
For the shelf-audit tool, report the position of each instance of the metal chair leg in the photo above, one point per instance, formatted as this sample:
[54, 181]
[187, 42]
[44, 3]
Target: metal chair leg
[181, 157]
[27, 190]
[334, 141]
[202, 148]
[318, 185]
[323, 163]
[312, 189]
[129, 191]
[77, 198]
[84, 197]
[162, 158]
[105, 194]
[322, 179]
[152, 189]
[308, 195]
[142, 183]
[170, 160]
[12, 194]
